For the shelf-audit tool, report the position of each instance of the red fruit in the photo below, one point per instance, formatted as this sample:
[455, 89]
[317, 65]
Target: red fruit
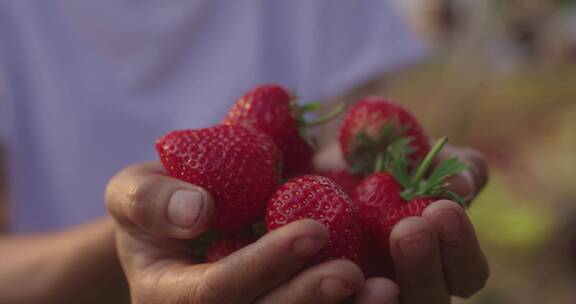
[318, 198]
[238, 166]
[382, 207]
[342, 178]
[372, 126]
[383, 199]
[271, 109]
[225, 245]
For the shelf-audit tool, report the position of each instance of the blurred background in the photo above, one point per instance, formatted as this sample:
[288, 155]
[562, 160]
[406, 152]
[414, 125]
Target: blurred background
[502, 79]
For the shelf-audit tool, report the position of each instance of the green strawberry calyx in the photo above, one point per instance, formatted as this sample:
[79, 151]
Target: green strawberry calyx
[303, 125]
[416, 186]
[371, 154]
[335, 112]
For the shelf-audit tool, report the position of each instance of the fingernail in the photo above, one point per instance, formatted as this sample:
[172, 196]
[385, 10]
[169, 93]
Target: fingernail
[184, 208]
[306, 247]
[448, 223]
[335, 288]
[416, 245]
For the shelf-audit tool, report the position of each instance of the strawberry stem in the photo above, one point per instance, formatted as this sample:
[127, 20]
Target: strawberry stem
[427, 162]
[326, 118]
[309, 107]
[434, 186]
[379, 163]
[415, 182]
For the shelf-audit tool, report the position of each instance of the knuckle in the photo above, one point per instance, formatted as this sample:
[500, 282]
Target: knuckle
[138, 196]
[109, 194]
[112, 191]
[139, 190]
[118, 185]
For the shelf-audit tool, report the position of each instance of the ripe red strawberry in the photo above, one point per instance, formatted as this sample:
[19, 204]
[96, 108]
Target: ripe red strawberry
[317, 197]
[269, 108]
[273, 110]
[225, 245]
[384, 199]
[380, 208]
[237, 165]
[347, 181]
[375, 125]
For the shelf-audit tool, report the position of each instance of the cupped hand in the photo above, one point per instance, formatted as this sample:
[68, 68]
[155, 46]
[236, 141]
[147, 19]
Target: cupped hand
[157, 216]
[436, 255]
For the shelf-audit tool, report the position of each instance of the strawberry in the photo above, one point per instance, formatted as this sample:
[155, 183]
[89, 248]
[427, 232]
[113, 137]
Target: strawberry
[237, 165]
[380, 208]
[318, 198]
[373, 127]
[344, 179]
[385, 198]
[225, 245]
[273, 110]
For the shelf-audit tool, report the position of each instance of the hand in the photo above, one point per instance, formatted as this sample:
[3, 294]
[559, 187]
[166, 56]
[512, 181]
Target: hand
[156, 217]
[438, 254]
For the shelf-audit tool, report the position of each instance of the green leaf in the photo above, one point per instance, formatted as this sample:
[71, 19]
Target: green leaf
[407, 195]
[335, 112]
[379, 164]
[362, 163]
[310, 107]
[434, 185]
[400, 147]
[457, 198]
[397, 150]
[386, 132]
[399, 169]
[364, 139]
[358, 169]
[390, 141]
[428, 188]
[445, 169]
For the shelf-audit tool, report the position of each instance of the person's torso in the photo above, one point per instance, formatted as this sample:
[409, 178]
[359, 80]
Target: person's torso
[89, 85]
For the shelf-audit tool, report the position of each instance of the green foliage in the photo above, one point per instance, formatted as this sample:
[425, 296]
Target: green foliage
[435, 185]
[447, 168]
[303, 125]
[376, 154]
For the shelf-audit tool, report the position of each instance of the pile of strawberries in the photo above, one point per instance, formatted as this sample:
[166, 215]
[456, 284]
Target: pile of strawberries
[257, 164]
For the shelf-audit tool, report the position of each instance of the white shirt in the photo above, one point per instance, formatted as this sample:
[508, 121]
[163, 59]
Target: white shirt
[87, 86]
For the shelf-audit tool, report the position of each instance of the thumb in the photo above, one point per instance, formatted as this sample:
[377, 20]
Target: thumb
[143, 196]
